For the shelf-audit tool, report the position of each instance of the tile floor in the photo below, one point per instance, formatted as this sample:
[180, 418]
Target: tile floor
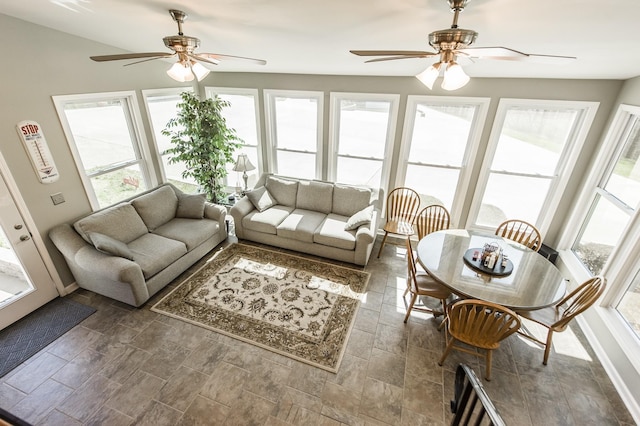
[124, 366]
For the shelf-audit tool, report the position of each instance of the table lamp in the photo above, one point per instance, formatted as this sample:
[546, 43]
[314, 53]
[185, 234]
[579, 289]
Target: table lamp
[243, 165]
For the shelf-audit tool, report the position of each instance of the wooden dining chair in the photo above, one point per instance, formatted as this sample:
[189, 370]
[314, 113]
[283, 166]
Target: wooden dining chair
[556, 318]
[521, 232]
[402, 206]
[422, 284]
[480, 324]
[431, 219]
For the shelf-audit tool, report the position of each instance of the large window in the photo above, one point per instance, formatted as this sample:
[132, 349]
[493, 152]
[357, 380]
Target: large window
[362, 131]
[294, 132]
[532, 150]
[242, 116]
[162, 107]
[103, 132]
[439, 142]
[606, 242]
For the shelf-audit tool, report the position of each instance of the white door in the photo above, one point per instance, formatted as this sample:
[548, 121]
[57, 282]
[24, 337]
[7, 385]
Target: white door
[25, 283]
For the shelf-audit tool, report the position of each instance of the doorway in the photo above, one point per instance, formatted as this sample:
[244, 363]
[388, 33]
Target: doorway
[25, 281]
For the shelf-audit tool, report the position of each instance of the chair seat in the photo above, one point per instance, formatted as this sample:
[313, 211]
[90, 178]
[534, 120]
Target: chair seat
[545, 316]
[428, 285]
[399, 227]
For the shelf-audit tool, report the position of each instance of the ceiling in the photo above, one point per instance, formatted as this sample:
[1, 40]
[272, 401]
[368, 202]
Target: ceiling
[314, 37]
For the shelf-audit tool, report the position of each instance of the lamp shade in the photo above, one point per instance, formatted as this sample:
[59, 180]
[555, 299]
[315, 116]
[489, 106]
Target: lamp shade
[454, 77]
[180, 72]
[200, 71]
[429, 76]
[243, 164]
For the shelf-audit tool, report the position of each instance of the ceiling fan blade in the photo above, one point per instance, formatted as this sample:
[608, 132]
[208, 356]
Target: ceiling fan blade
[506, 54]
[393, 58]
[412, 53]
[150, 59]
[153, 55]
[203, 59]
[217, 56]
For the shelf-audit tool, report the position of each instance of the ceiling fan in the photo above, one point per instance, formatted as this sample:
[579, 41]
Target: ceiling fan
[451, 43]
[188, 65]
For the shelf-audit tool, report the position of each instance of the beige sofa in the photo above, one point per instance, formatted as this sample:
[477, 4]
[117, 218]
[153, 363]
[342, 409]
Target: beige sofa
[320, 218]
[130, 251]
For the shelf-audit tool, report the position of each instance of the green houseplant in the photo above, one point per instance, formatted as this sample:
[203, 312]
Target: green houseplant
[202, 140]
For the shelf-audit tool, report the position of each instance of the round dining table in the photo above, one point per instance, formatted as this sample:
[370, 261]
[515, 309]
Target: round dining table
[533, 283]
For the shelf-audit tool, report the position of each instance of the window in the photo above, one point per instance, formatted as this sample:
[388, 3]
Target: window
[162, 107]
[294, 132]
[103, 133]
[242, 116]
[362, 131]
[439, 141]
[532, 149]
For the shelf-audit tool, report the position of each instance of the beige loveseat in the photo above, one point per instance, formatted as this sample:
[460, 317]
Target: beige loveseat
[320, 218]
[130, 251]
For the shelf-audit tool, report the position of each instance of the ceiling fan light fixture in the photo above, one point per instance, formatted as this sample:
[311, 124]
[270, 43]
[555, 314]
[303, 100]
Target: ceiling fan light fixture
[454, 77]
[180, 72]
[199, 70]
[429, 76]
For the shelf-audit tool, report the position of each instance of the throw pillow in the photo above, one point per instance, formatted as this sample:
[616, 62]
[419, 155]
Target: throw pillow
[360, 218]
[190, 206]
[261, 198]
[108, 245]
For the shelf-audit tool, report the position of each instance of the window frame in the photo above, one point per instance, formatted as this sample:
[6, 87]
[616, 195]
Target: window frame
[146, 93]
[134, 121]
[463, 189]
[270, 127]
[562, 172]
[334, 131]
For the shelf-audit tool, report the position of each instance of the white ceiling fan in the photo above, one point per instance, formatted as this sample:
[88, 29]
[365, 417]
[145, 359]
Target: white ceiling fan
[451, 43]
[188, 65]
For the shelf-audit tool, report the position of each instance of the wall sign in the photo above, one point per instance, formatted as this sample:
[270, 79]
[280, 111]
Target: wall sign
[36, 145]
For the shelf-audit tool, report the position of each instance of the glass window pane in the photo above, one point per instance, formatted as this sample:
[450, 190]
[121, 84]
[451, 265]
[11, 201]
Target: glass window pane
[435, 185]
[295, 164]
[117, 185]
[600, 235]
[241, 116]
[363, 128]
[532, 140]
[296, 124]
[355, 171]
[512, 197]
[629, 306]
[440, 134]
[161, 110]
[101, 133]
[173, 173]
[624, 182]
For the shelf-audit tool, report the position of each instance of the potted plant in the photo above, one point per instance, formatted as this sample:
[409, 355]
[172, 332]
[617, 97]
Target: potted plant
[202, 140]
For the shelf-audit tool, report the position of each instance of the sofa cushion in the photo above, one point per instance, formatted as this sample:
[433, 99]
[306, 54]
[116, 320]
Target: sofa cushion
[156, 207]
[108, 245]
[359, 218]
[120, 222]
[315, 196]
[190, 233]
[190, 206]
[154, 253]
[300, 225]
[266, 221]
[348, 200]
[261, 198]
[283, 190]
[331, 233]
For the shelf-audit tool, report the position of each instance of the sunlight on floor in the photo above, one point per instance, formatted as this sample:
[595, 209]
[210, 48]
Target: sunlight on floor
[565, 343]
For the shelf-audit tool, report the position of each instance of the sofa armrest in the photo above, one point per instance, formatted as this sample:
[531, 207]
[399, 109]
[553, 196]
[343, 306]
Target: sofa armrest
[90, 266]
[215, 212]
[366, 234]
[239, 210]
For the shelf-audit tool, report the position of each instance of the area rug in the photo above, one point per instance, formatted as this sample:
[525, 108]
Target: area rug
[27, 336]
[294, 306]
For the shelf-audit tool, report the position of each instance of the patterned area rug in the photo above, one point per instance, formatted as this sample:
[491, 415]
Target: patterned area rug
[300, 308]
